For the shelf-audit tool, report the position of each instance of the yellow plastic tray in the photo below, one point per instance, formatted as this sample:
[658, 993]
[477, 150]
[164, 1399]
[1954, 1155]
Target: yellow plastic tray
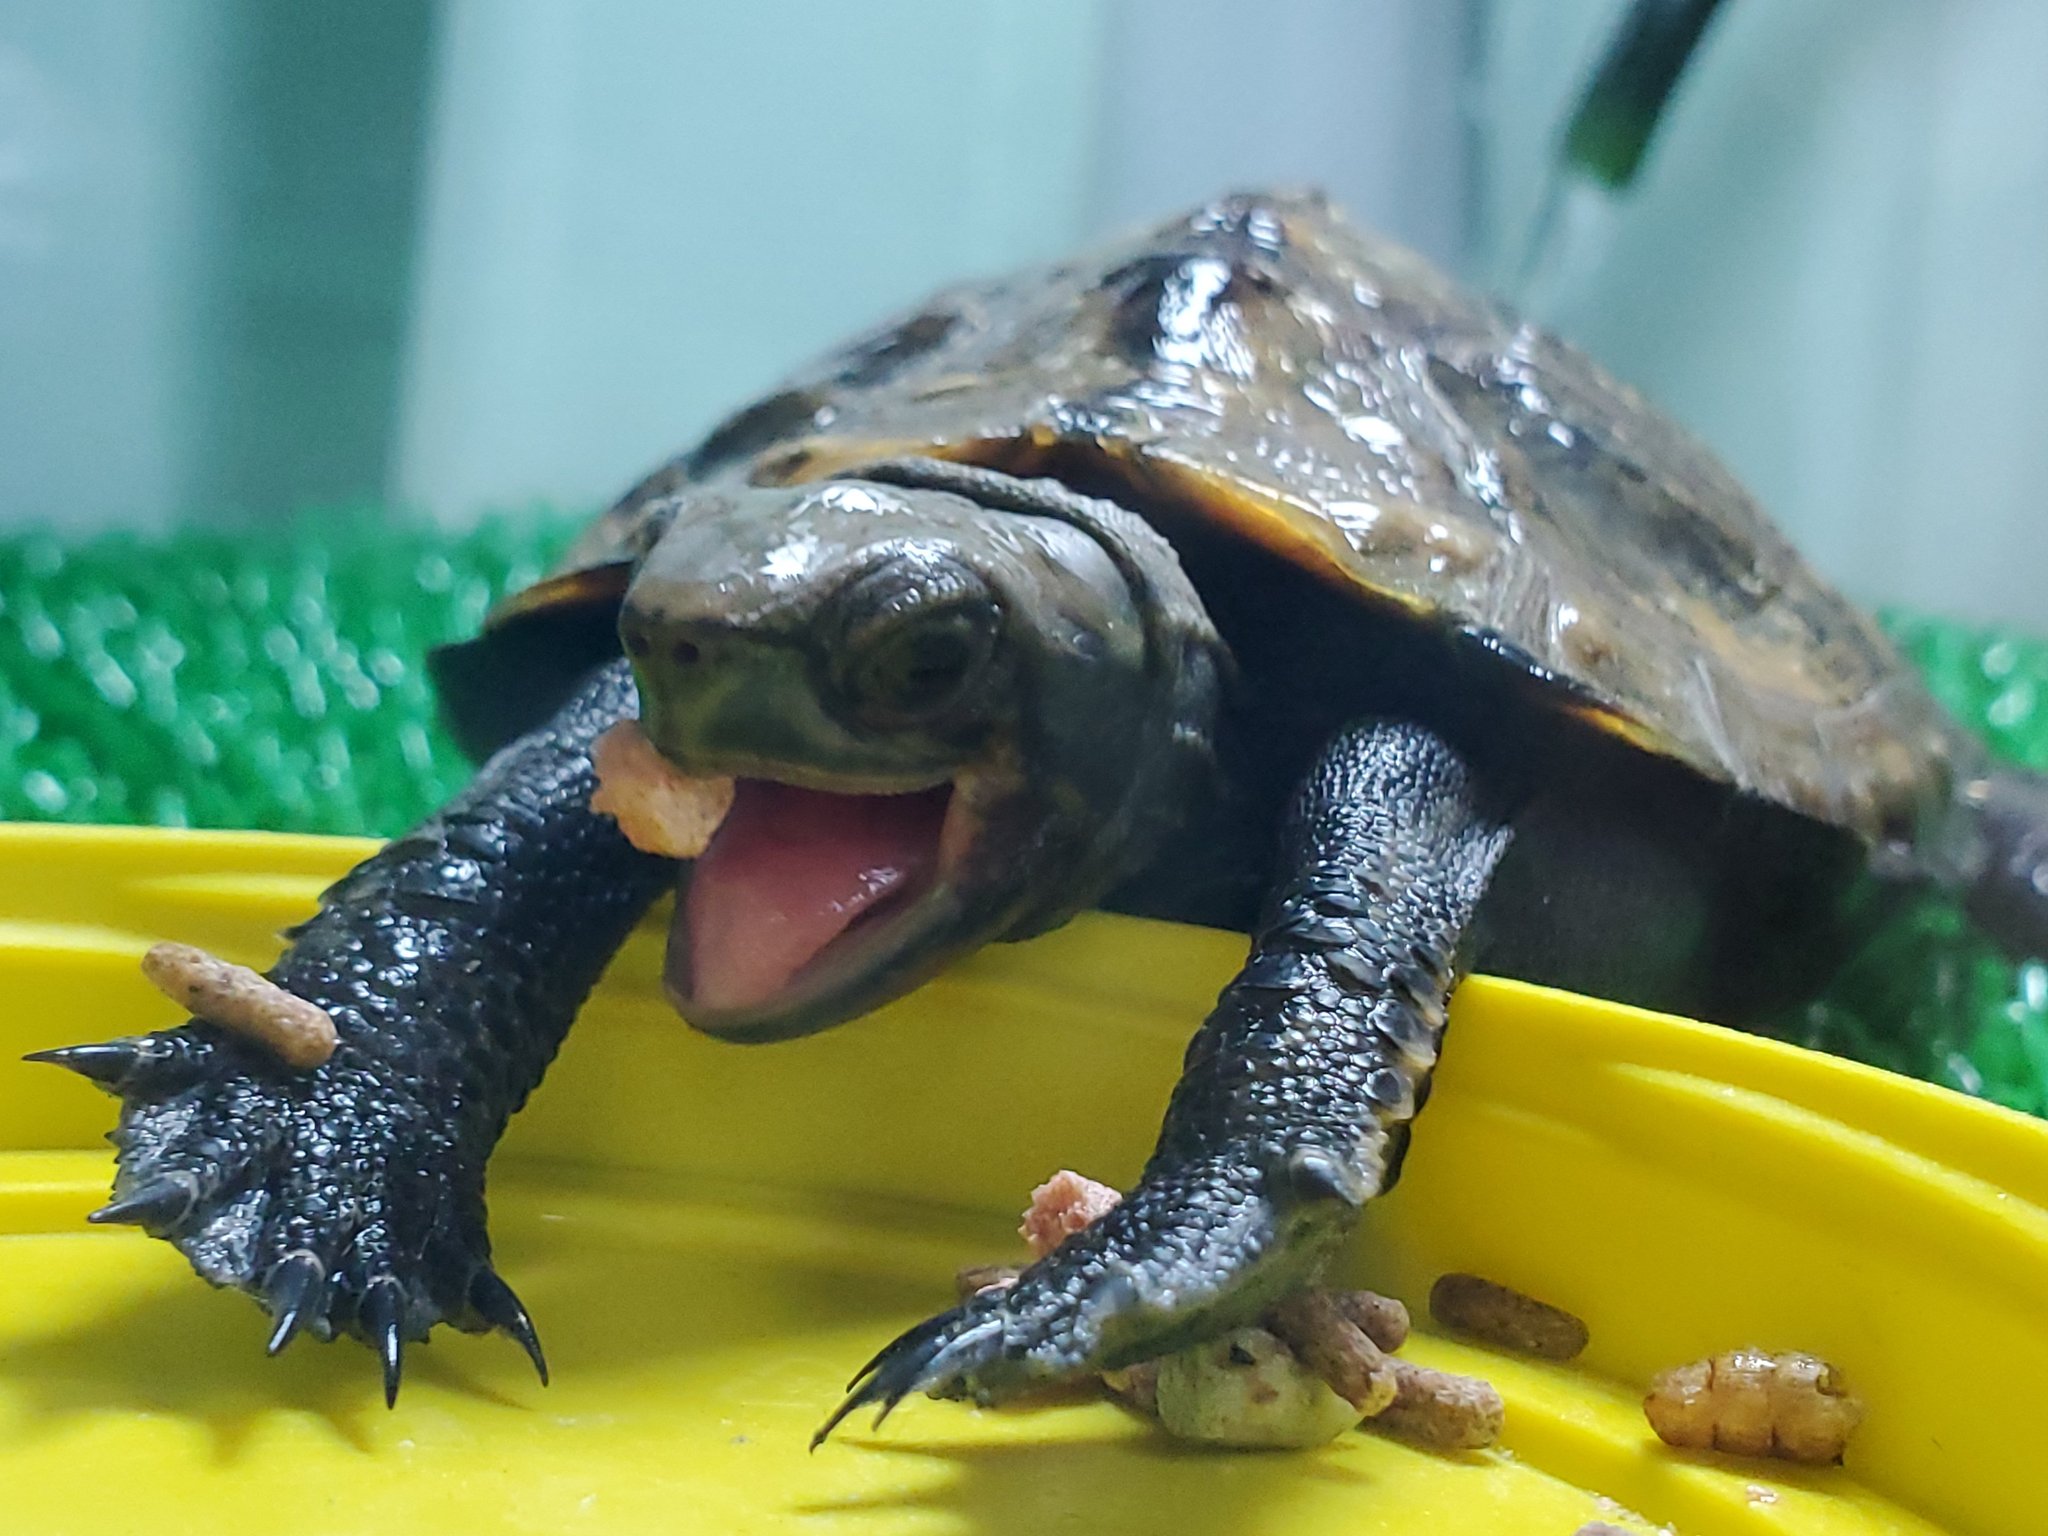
[710, 1237]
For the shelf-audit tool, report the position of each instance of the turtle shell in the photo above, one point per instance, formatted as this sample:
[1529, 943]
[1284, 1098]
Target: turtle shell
[1334, 398]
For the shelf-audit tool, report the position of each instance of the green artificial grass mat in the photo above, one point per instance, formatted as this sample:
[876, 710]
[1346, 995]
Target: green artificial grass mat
[273, 677]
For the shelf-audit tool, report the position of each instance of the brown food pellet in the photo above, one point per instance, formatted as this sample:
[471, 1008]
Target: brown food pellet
[299, 1033]
[1384, 1319]
[1491, 1311]
[1323, 1338]
[659, 809]
[1752, 1402]
[1443, 1411]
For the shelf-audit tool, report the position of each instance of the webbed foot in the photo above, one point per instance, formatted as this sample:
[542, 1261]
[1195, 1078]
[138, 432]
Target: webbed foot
[340, 1205]
[1194, 1251]
[349, 1198]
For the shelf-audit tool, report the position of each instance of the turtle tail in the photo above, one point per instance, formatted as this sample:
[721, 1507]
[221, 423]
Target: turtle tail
[2008, 897]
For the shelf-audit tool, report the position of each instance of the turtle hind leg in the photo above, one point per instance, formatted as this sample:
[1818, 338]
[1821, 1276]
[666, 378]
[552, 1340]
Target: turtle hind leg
[1294, 1104]
[2008, 898]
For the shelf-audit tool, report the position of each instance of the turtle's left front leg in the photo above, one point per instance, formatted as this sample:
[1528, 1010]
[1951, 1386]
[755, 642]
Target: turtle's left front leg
[349, 1198]
[1294, 1105]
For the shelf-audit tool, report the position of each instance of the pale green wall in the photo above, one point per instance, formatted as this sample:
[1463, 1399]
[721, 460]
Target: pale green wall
[640, 213]
[1832, 268]
[470, 252]
[102, 244]
[255, 253]
[206, 212]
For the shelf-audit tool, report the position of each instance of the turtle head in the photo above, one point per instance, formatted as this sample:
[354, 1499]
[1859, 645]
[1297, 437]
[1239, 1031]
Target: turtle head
[948, 722]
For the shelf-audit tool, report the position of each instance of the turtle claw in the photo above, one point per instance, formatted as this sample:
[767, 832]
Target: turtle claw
[984, 1348]
[134, 1063]
[289, 1290]
[106, 1062]
[495, 1302]
[157, 1207]
[382, 1314]
[933, 1356]
[896, 1346]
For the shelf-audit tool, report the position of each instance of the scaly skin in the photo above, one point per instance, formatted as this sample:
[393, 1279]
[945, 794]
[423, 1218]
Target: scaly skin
[1294, 1104]
[350, 1199]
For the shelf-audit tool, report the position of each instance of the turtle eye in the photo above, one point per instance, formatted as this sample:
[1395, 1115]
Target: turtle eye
[922, 666]
[915, 635]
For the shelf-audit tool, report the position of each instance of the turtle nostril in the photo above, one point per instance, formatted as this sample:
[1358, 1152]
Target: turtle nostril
[659, 638]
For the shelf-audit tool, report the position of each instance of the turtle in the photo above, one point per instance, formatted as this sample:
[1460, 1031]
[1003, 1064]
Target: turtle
[1246, 571]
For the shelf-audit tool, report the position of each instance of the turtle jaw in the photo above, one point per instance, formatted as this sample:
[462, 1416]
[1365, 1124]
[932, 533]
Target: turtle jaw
[775, 937]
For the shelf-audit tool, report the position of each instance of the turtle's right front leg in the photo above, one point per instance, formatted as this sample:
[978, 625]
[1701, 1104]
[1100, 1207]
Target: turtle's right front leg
[350, 1198]
[1294, 1104]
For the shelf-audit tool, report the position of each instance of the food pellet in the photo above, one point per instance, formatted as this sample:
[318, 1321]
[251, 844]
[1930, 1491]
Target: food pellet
[1444, 1411]
[299, 1033]
[1491, 1311]
[1062, 1206]
[1384, 1319]
[659, 809]
[1753, 1402]
[1315, 1327]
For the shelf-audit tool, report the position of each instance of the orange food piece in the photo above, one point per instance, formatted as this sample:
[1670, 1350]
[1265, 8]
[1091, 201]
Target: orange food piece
[660, 809]
[1062, 1206]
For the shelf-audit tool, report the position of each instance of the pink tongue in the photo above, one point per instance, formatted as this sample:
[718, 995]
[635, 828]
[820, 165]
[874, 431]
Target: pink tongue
[787, 871]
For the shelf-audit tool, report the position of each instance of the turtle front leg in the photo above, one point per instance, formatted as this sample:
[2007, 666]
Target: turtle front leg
[1293, 1107]
[350, 1198]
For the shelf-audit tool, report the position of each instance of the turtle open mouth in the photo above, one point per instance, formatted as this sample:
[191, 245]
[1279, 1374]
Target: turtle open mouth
[796, 882]
[799, 906]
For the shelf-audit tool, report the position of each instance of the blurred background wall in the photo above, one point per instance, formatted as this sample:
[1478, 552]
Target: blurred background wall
[208, 215]
[466, 253]
[1834, 267]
